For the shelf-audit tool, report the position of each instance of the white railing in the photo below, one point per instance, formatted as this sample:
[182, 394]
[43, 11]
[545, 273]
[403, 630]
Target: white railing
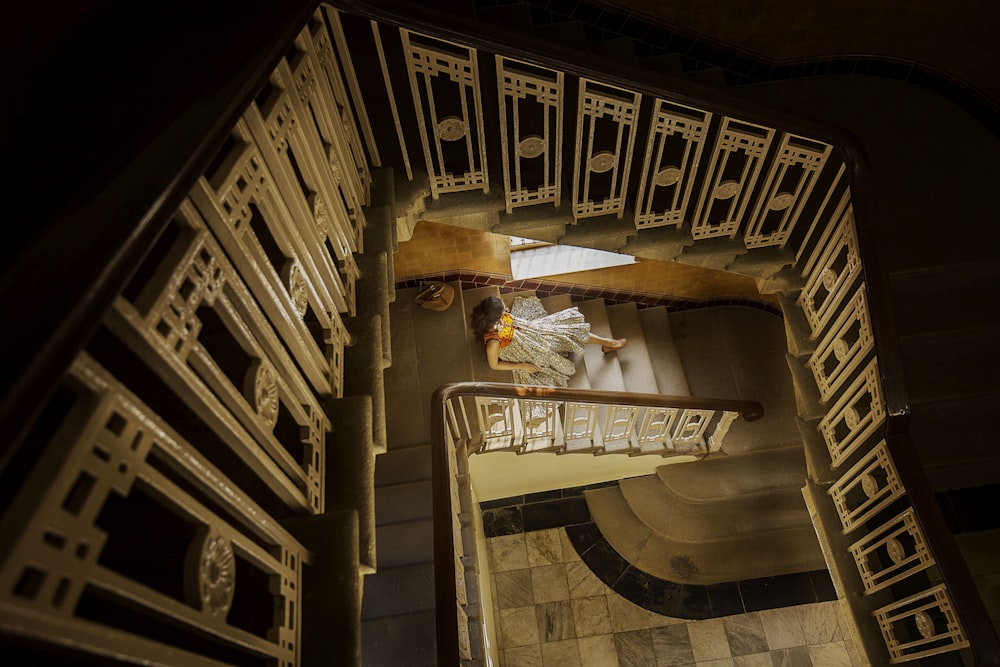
[602, 423]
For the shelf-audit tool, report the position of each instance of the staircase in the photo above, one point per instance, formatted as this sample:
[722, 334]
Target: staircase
[921, 190]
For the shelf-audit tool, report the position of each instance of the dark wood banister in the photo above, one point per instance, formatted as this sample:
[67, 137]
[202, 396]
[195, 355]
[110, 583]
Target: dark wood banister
[444, 540]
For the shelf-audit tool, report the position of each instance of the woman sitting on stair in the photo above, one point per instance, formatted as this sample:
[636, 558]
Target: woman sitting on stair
[533, 343]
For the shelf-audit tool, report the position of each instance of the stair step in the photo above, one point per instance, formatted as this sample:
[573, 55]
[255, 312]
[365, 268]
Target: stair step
[944, 297]
[408, 501]
[733, 476]
[604, 370]
[733, 559]
[406, 422]
[637, 368]
[407, 464]
[703, 353]
[957, 442]
[408, 640]
[405, 543]
[667, 367]
[668, 515]
[395, 591]
[951, 364]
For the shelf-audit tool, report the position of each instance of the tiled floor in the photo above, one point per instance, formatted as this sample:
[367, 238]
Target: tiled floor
[552, 611]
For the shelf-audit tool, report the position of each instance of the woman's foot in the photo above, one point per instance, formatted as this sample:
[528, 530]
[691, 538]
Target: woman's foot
[615, 345]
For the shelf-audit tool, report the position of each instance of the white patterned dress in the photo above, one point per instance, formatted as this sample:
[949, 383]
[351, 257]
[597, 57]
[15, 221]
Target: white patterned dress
[545, 339]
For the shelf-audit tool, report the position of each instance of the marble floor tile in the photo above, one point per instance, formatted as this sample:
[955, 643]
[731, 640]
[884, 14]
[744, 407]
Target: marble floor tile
[598, 651]
[508, 553]
[708, 640]
[671, 645]
[746, 634]
[833, 654]
[548, 583]
[582, 581]
[513, 589]
[591, 617]
[626, 616]
[518, 627]
[523, 656]
[801, 625]
[554, 621]
[753, 660]
[797, 656]
[561, 654]
[544, 547]
[635, 649]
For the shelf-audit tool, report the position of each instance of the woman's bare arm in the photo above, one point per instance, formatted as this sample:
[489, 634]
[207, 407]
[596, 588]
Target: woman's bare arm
[497, 364]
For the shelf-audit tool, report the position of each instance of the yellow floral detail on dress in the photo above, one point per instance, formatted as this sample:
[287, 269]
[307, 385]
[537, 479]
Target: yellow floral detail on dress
[504, 331]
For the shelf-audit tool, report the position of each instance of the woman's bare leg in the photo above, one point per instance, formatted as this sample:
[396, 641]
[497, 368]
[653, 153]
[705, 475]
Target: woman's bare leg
[607, 344]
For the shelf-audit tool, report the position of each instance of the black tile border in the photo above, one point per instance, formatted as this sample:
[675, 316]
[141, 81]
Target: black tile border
[566, 508]
[544, 288]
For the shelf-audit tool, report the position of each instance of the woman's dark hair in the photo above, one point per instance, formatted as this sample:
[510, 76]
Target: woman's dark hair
[485, 315]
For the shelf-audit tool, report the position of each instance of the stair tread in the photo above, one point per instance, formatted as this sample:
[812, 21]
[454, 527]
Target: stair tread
[953, 293]
[395, 591]
[730, 476]
[667, 366]
[407, 639]
[406, 422]
[407, 501]
[636, 365]
[668, 515]
[404, 543]
[404, 464]
[604, 370]
[734, 559]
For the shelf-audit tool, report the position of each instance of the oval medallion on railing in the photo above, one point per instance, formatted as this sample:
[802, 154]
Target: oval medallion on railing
[210, 573]
[531, 146]
[726, 190]
[781, 201]
[451, 128]
[667, 176]
[602, 162]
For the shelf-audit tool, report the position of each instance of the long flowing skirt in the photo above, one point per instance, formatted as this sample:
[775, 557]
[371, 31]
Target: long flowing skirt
[545, 340]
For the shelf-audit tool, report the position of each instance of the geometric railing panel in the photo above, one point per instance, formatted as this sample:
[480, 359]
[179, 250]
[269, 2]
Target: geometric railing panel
[921, 625]
[731, 174]
[673, 153]
[126, 542]
[786, 190]
[870, 486]
[891, 552]
[606, 119]
[844, 347]
[858, 414]
[838, 263]
[444, 80]
[531, 132]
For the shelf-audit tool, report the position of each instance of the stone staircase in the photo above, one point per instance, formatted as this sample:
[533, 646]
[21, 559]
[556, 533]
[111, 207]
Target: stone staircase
[760, 510]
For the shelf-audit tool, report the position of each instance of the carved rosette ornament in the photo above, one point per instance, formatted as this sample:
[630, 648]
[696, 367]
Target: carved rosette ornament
[210, 573]
[895, 549]
[298, 289]
[829, 279]
[841, 349]
[321, 218]
[451, 129]
[261, 389]
[852, 418]
[869, 486]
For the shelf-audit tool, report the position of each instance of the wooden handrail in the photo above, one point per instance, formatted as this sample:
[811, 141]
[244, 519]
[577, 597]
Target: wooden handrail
[444, 540]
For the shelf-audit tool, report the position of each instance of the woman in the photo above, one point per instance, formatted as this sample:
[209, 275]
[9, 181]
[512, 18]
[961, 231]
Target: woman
[532, 342]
